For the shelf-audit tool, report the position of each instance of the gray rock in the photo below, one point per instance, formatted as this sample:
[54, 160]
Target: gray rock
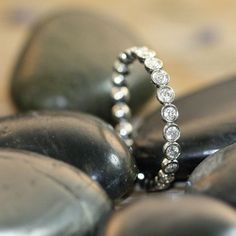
[40, 196]
[81, 140]
[182, 216]
[67, 64]
[216, 176]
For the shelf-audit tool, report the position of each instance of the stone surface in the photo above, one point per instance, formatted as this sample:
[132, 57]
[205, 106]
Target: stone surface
[207, 122]
[78, 139]
[42, 196]
[177, 216]
[67, 64]
[216, 176]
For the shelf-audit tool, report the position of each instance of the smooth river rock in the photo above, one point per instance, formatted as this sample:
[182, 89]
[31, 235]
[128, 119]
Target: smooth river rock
[184, 216]
[207, 121]
[67, 64]
[216, 176]
[78, 139]
[40, 196]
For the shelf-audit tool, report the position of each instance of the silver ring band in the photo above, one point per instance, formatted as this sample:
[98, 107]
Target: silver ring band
[169, 112]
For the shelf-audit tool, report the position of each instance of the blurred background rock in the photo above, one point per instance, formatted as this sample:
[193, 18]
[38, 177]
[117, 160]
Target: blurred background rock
[195, 39]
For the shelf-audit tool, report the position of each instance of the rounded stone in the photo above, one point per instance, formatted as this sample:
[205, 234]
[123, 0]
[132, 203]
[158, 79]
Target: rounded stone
[42, 196]
[67, 61]
[179, 216]
[216, 176]
[78, 139]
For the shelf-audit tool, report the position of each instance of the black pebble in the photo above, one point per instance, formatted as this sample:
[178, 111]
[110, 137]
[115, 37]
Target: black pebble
[185, 216]
[67, 64]
[78, 139]
[42, 196]
[216, 176]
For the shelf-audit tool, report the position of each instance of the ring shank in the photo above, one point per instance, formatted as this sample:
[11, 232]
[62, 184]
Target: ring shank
[165, 95]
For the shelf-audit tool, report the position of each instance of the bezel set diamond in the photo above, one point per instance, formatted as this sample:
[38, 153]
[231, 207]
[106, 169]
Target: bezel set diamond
[171, 132]
[160, 77]
[165, 94]
[153, 63]
[169, 112]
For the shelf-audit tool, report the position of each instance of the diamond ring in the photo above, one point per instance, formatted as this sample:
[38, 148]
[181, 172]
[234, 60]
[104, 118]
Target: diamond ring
[169, 112]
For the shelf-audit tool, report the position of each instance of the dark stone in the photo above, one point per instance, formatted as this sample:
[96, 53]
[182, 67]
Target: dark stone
[184, 216]
[78, 139]
[42, 196]
[216, 176]
[207, 122]
[67, 64]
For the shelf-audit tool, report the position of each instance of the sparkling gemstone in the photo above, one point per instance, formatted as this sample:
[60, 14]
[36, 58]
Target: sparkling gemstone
[121, 111]
[165, 178]
[129, 141]
[171, 132]
[141, 176]
[144, 52]
[121, 67]
[126, 57]
[161, 186]
[124, 129]
[169, 113]
[120, 94]
[170, 166]
[166, 94]
[153, 63]
[160, 77]
[172, 151]
[118, 79]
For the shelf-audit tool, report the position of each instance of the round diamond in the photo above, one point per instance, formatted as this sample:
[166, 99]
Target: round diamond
[121, 68]
[165, 178]
[126, 57]
[129, 142]
[120, 94]
[161, 186]
[153, 63]
[124, 129]
[144, 53]
[171, 132]
[169, 113]
[172, 150]
[166, 94]
[118, 79]
[160, 78]
[171, 168]
[121, 111]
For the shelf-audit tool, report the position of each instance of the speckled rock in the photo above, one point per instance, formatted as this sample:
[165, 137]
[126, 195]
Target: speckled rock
[178, 216]
[42, 196]
[67, 64]
[216, 176]
[207, 121]
[78, 139]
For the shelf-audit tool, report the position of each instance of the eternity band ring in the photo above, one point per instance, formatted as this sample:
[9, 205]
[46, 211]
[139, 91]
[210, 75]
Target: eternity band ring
[169, 112]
